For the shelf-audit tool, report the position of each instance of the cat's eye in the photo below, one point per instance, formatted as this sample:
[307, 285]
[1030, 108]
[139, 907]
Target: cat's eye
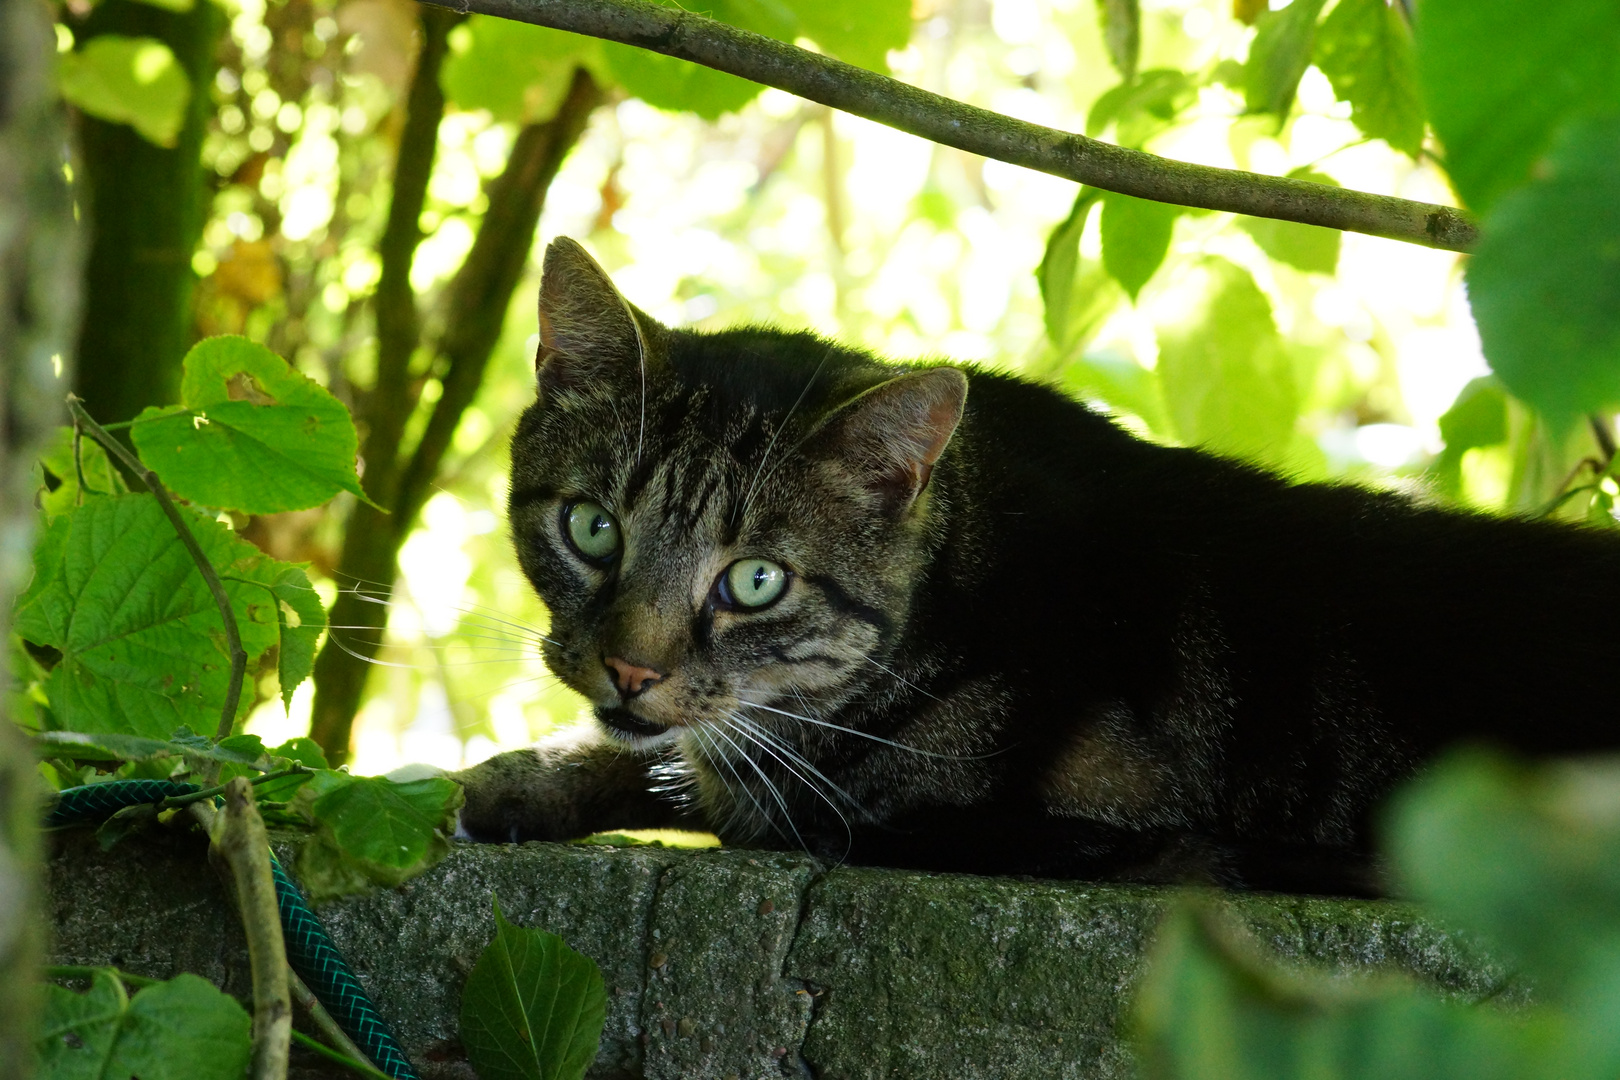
[753, 583]
[592, 530]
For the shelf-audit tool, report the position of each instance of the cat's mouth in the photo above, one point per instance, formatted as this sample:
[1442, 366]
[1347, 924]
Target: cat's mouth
[622, 721]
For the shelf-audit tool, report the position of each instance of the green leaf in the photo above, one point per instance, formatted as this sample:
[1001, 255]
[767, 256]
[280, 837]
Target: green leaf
[251, 433]
[1060, 264]
[1500, 77]
[1211, 1008]
[304, 750]
[1278, 56]
[104, 746]
[1141, 109]
[1545, 282]
[1135, 238]
[143, 650]
[57, 461]
[1122, 34]
[1364, 47]
[183, 1029]
[1311, 248]
[532, 1008]
[1528, 856]
[1478, 417]
[856, 31]
[1120, 382]
[301, 618]
[1227, 378]
[128, 80]
[372, 831]
[520, 73]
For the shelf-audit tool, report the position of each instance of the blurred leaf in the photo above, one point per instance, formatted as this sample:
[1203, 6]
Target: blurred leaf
[1122, 33]
[371, 831]
[1135, 238]
[143, 651]
[856, 31]
[1143, 107]
[1528, 856]
[183, 1029]
[1119, 381]
[57, 459]
[301, 618]
[171, 5]
[1210, 1008]
[251, 433]
[532, 1008]
[1500, 76]
[1311, 248]
[1545, 282]
[1364, 47]
[1059, 264]
[1278, 56]
[520, 73]
[1226, 376]
[1246, 11]
[1478, 417]
[128, 80]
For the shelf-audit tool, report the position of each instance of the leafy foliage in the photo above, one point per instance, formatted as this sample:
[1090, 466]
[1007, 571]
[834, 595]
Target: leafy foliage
[1364, 47]
[372, 831]
[250, 433]
[1525, 857]
[532, 1008]
[1279, 55]
[1304, 247]
[183, 1029]
[1135, 238]
[128, 80]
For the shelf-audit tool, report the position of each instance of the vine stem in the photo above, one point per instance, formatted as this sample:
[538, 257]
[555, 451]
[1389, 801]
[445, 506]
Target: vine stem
[172, 801]
[686, 36]
[237, 834]
[233, 637]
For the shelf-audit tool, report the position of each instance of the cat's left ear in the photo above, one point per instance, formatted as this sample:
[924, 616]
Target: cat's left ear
[589, 333]
[894, 433]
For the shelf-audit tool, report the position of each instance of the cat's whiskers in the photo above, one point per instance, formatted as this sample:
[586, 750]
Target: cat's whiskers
[770, 787]
[735, 813]
[768, 739]
[786, 758]
[896, 675]
[865, 734]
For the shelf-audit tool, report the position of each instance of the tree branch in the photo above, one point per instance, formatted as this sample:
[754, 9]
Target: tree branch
[854, 90]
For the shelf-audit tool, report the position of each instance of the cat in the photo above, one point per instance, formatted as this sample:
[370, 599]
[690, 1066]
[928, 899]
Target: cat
[933, 616]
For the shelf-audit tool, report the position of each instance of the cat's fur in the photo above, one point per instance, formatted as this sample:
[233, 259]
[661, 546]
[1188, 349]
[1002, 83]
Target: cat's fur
[1015, 638]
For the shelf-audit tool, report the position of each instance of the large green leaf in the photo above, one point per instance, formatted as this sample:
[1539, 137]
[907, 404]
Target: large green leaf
[128, 80]
[1311, 248]
[1545, 284]
[1060, 264]
[143, 651]
[1227, 378]
[1478, 417]
[1278, 56]
[856, 31]
[100, 477]
[1135, 238]
[372, 831]
[1210, 1008]
[1364, 47]
[183, 1029]
[532, 1008]
[1500, 76]
[250, 433]
[520, 73]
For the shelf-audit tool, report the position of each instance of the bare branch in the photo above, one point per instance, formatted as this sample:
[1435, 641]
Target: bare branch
[854, 90]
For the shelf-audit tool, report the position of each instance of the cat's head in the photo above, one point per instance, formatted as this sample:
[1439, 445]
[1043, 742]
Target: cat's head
[724, 524]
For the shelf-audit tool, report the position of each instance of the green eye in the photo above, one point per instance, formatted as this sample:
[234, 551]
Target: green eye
[592, 530]
[752, 583]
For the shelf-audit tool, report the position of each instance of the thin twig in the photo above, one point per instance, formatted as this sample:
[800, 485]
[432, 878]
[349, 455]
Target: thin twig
[172, 801]
[233, 693]
[305, 998]
[238, 836]
[854, 90]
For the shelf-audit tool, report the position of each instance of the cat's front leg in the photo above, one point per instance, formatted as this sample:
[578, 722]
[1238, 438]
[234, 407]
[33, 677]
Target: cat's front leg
[566, 788]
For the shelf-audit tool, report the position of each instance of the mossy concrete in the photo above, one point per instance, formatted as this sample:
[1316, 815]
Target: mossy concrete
[738, 964]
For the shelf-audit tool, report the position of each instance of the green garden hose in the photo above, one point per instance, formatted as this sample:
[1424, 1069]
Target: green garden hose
[309, 949]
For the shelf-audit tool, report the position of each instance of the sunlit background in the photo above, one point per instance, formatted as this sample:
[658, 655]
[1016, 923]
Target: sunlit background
[789, 214]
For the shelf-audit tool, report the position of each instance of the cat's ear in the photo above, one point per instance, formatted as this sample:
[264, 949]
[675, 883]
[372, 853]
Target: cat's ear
[892, 435]
[589, 332]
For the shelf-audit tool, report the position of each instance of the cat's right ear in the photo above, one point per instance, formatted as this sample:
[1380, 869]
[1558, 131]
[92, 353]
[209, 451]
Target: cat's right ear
[589, 333]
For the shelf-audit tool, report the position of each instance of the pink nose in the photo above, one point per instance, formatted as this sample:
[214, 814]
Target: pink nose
[631, 678]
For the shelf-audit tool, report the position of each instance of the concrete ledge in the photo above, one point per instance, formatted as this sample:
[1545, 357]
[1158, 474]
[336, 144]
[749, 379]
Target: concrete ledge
[737, 964]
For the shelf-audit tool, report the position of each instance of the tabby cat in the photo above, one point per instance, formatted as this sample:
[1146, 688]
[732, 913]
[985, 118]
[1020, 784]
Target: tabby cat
[931, 616]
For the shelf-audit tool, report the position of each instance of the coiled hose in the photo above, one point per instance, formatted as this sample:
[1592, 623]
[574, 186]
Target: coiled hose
[309, 949]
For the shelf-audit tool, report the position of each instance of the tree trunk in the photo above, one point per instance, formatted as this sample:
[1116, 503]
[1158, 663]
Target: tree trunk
[39, 265]
[146, 207]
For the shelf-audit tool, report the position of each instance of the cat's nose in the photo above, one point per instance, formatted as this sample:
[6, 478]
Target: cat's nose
[631, 679]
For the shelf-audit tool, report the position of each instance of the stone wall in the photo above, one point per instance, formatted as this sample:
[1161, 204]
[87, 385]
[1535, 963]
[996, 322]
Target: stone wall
[745, 964]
